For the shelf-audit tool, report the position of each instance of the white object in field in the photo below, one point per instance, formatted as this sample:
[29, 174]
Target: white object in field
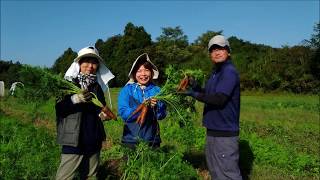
[14, 86]
[1, 88]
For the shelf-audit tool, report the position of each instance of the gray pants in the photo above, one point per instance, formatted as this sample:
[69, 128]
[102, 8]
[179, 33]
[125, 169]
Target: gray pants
[222, 155]
[87, 166]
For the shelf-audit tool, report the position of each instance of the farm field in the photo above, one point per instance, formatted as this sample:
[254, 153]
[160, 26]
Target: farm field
[279, 139]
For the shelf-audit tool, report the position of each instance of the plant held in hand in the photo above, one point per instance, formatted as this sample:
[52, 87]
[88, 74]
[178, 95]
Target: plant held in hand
[49, 85]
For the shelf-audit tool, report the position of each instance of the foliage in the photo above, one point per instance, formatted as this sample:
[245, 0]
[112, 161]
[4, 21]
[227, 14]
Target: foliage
[41, 85]
[62, 64]
[8, 72]
[177, 102]
[26, 152]
[181, 108]
[204, 39]
[171, 48]
[314, 41]
[267, 152]
[279, 139]
[146, 163]
[123, 49]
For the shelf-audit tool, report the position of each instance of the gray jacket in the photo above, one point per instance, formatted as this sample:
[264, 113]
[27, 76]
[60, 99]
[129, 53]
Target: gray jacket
[68, 130]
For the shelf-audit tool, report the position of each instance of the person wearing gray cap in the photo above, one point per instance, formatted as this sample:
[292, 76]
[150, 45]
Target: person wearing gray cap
[221, 96]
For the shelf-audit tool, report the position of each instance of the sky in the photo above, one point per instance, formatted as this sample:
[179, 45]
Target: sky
[38, 32]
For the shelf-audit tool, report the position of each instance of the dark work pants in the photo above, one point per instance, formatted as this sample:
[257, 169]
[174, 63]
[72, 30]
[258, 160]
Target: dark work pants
[222, 156]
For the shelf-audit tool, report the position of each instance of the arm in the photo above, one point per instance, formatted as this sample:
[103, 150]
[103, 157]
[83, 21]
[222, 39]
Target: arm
[227, 82]
[65, 107]
[219, 100]
[124, 108]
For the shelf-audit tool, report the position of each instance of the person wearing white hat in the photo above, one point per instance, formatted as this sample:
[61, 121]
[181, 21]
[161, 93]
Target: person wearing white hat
[80, 130]
[140, 91]
[221, 96]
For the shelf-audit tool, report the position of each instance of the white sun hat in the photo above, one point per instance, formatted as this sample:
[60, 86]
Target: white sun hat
[89, 51]
[143, 57]
[104, 75]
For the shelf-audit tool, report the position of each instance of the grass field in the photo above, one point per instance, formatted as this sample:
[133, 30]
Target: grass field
[279, 139]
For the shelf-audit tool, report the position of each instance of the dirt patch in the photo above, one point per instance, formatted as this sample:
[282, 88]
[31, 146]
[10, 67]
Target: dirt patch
[204, 174]
[110, 169]
[38, 122]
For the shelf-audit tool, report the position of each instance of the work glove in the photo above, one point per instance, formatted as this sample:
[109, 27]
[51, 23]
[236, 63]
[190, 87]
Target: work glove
[192, 82]
[106, 114]
[82, 97]
[187, 82]
[103, 116]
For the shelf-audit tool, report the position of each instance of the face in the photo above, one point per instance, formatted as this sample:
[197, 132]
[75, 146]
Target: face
[89, 66]
[218, 55]
[143, 75]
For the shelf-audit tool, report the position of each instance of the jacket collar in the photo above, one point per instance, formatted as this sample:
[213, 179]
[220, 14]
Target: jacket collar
[146, 87]
[219, 66]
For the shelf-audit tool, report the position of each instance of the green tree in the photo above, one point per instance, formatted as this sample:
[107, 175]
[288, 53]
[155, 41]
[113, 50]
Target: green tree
[314, 44]
[204, 39]
[172, 46]
[122, 50]
[62, 64]
[8, 72]
[314, 41]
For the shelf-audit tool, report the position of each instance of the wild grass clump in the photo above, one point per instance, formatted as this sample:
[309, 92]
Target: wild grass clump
[147, 163]
[26, 152]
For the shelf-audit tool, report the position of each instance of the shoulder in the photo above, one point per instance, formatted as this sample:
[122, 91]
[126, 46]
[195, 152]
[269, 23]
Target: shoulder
[153, 87]
[126, 89]
[230, 69]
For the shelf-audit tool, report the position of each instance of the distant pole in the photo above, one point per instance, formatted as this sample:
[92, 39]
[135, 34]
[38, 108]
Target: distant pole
[1, 89]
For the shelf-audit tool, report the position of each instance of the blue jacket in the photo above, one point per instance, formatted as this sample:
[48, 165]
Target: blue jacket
[224, 120]
[130, 97]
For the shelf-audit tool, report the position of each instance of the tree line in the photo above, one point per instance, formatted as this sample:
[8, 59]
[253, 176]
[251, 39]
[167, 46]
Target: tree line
[294, 69]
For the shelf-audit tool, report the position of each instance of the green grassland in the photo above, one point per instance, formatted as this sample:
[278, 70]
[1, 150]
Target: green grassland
[279, 139]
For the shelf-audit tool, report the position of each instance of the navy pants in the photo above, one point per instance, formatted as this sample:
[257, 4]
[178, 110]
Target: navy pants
[222, 156]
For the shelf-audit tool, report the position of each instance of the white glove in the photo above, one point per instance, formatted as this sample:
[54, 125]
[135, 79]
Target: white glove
[103, 116]
[82, 97]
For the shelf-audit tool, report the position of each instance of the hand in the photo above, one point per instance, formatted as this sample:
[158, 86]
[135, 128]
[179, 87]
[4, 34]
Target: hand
[183, 84]
[187, 82]
[153, 102]
[82, 97]
[108, 113]
[103, 116]
[192, 82]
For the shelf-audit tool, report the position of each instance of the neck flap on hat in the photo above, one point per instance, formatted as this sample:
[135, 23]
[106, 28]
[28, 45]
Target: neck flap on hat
[103, 75]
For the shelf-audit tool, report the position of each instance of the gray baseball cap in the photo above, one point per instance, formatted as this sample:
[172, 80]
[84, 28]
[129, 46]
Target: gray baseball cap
[220, 41]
